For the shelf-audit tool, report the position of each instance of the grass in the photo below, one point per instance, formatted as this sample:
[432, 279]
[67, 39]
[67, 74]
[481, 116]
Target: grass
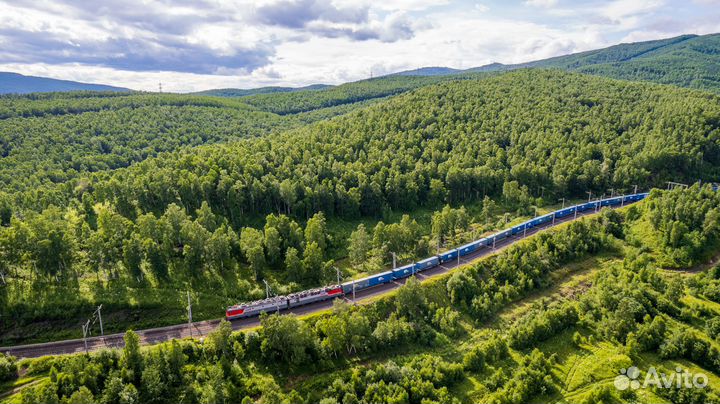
[9, 390]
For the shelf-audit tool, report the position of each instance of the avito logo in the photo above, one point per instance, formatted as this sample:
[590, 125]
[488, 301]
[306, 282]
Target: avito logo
[630, 379]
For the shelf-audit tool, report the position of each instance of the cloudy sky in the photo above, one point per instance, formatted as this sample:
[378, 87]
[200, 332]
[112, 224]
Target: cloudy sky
[191, 45]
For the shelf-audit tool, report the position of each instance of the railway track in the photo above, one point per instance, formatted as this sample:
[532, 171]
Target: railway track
[201, 328]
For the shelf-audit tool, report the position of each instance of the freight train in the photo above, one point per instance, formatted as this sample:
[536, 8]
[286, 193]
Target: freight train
[331, 292]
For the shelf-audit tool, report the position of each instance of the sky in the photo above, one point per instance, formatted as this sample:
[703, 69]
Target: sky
[192, 45]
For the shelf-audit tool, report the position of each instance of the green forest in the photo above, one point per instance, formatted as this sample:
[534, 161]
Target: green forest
[141, 201]
[553, 318]
[282, 206]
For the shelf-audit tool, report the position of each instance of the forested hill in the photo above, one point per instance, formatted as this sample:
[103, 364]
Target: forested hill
[13, 83]
[348, 93]
[48, 139]
[556, 133]
[239, 92]
[687, 61]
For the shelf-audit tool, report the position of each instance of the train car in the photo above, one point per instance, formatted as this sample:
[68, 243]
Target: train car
[503, 234]
[519, 228]
[256, 307]
[565, 212]
[427, 263]
[402, 272]
[544, 219]
[469, 248]
[614, 201]
[314, 295]
[367, 282]
[449, 255]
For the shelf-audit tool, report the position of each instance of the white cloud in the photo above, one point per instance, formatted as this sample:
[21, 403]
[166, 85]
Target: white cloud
[542, 3]
[620, 9]
[225, 43]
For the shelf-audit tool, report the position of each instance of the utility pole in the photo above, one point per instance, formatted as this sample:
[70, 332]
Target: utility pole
[494, 238]
[337, 271]
[189, 307]
[394, 259]
[102, 332]
[635, 189]
[353, 283]
[267, 289]
[589, 195]
[86, 329]
[673, 185]
[563, 203]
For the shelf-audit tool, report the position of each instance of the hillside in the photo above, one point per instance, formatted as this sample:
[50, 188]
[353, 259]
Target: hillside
[238, 92]
[14, 83]
[348, 93]
[687, 61]
[220, 218]
[51, 139]
[560, 317]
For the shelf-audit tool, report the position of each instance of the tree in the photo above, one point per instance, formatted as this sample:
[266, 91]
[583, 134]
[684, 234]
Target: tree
[5, 209]
[312, 262]
[411, 300]
[82, 396]
[129, 395]
[488, 208]
[273, 245]
[131, 359]
[316, 231]
[206, 218]
[217, 342]
[8, 368]
[251, 244]
[213, 390]
[288, 195]
[293, 265]
[359, 245]
[152, 384]
[285, 338]
[172, 222]
[438, 193]
[132, 251]
[219, 248]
